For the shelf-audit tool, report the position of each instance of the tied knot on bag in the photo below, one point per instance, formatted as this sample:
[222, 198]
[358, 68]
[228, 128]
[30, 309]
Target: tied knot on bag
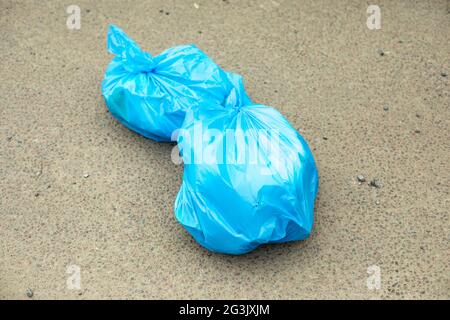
[234, 101]
[133, 57]
[237, 97]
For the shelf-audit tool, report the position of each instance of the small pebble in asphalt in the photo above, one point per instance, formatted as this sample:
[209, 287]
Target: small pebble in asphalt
[29, 293]
[377, 202]
[36, 194]
[86, 175]
[361, 178]
[417, 131]
[375, 183]
[381, 52]
[325, 138]
[386, 108]
[417, 115]
[444, 74]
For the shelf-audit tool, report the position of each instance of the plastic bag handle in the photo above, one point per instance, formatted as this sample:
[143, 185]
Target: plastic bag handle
[133, 57]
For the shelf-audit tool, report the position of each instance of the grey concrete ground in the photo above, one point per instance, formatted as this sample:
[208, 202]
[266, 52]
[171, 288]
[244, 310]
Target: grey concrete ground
[315, 61]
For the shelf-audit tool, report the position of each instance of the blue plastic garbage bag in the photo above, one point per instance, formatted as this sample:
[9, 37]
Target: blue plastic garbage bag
[249, 177]
[150, 95]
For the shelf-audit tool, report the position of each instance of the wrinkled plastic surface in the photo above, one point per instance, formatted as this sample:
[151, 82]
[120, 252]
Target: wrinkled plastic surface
[230, 202]
[150, 95]
[238, 192]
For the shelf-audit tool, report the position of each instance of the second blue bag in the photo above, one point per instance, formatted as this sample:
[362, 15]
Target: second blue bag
[150, 95]
[249, 177]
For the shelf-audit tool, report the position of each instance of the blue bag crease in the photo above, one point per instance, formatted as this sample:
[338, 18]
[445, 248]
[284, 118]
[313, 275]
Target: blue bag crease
[249, 177]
